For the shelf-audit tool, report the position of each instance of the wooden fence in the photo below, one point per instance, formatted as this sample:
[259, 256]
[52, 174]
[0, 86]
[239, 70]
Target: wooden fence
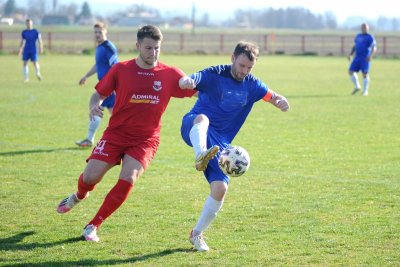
[291, 44]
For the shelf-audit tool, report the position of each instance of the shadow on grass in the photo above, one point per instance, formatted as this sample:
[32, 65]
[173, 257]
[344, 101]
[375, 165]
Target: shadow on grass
[34, 151]
[12, 243]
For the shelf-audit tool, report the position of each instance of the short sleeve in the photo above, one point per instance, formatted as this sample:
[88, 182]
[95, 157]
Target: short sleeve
[108, 83]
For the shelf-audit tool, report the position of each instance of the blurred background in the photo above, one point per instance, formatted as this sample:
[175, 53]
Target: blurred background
[279, 27]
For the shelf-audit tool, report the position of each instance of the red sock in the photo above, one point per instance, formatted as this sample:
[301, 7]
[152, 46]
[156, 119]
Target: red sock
[114, 199]
[83, 188]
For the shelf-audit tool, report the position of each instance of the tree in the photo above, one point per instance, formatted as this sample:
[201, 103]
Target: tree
[36, 8]
[69, 10]
[85, 13]
[10, 8]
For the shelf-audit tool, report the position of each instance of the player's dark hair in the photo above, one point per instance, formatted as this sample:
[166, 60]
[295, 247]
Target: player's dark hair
[149, 31]
[247, 48]
[100, 25]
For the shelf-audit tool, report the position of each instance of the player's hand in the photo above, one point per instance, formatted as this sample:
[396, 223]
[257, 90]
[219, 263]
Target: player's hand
[186, 83]
[349, 57]
[96, 111]
[82, 81]
[280, 102]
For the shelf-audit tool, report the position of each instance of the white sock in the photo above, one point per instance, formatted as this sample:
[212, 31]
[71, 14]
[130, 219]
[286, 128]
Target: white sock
[38, 71]
[365, 84]
[93, 126]
[354, 79]
[208, 214]
[198, 137]
[26, 72]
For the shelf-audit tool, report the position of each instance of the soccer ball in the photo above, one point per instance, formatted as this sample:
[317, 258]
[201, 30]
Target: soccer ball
[234, 161]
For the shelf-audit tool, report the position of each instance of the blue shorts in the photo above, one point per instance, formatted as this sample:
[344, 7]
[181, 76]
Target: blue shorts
[213, 172]
[109, 101]
[359, 63]
[30, 56]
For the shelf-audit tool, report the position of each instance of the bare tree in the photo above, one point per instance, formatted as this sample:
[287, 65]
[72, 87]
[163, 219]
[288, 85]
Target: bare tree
[37, 8]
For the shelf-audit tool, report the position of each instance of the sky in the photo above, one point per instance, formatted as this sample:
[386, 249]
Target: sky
[223, 9]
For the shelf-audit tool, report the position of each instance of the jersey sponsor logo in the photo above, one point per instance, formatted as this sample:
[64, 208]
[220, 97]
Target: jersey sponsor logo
[145, 99]
[157, 86]
[145, 73]
[98, 150]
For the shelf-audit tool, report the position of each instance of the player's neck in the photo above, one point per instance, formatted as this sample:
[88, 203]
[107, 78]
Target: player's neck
[144, 65]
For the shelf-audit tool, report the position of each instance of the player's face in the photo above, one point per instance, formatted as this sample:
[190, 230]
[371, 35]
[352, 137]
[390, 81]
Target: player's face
[29, 24]
[241, 66]
[149, 51]
[100, 35]
[364, 28]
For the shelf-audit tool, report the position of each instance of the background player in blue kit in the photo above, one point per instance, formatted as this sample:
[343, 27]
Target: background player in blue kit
[226, 94]
[106, 56]
[28, 49]
[364, 48]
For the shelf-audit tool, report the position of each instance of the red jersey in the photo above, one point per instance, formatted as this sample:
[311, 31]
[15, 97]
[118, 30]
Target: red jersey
[142, 95]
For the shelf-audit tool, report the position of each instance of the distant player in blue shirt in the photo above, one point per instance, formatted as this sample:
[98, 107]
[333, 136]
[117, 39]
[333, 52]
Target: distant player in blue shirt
[106, 56]
[364, 48]
[226, 94]
[28, 49]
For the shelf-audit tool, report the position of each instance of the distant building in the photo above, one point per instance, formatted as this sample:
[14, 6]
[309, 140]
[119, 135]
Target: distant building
[81, 20]
[55, 20]
[138, 19]
[7, 21]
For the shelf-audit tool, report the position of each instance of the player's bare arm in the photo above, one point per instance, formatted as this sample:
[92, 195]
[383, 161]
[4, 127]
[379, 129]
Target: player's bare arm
[21, 47]
[350, 56]
[92, 71]
[40, 45]
[280, 102]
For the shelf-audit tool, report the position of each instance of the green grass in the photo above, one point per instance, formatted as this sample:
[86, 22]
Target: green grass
[323, 188]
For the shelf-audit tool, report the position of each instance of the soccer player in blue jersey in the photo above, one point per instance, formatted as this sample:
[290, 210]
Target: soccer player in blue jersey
[106, 57]
[226, 94]
[364, 49]
[28, 49]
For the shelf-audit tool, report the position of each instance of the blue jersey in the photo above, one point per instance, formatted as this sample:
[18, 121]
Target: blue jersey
[106, 56]
[224, 100]
[364, 43]
[30, 37]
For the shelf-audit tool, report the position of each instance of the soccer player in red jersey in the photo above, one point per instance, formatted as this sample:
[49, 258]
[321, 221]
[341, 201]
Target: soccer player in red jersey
[143, 88]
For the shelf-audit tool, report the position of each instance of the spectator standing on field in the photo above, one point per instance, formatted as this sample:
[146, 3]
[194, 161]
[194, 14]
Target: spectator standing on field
[226, 96]
[28, 49]
[143, 88]
[106, 57]
[364, 49]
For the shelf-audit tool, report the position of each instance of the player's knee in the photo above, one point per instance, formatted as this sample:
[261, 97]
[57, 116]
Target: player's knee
[90, 178]
[218, 190]
[201, 118]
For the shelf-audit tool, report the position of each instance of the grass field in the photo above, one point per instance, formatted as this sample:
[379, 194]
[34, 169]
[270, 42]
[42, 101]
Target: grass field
[323, 188]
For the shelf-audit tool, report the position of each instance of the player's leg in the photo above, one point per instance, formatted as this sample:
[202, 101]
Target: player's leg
[198, 138]
[366, 79]
[25, 69]
[212, 206]
[356, 82]
[353, 69]
[93, 174]
[37, 68]
[94, 123]
[130, 172]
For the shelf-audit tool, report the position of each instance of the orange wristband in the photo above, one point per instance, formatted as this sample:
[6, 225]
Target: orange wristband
[269, 95]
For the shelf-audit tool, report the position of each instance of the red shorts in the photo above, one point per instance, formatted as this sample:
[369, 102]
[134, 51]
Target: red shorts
[111, 152]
